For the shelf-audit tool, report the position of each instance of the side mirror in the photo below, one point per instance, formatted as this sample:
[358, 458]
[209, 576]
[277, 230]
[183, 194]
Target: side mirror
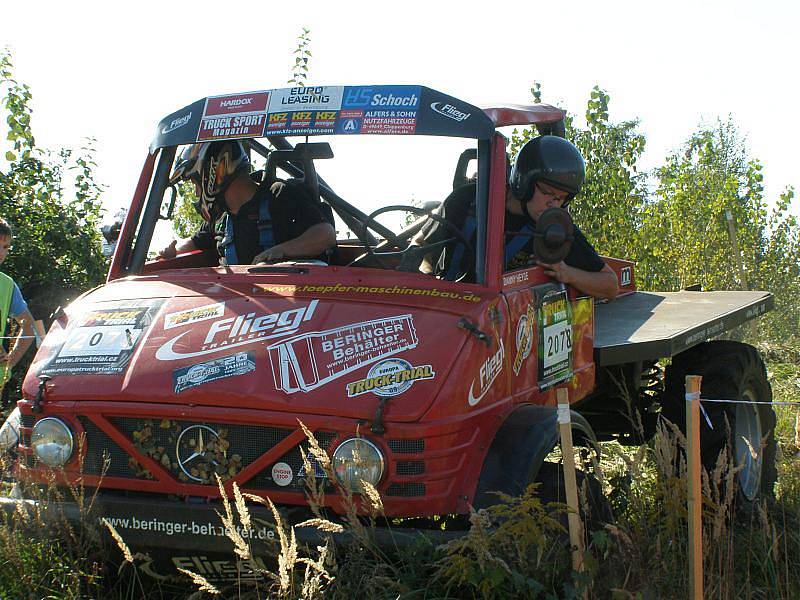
[169, 205]
[553, 237]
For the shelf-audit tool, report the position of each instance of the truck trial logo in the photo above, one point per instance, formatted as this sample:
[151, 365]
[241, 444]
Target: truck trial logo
[242, 329]
[310, 360]
[390, 378]
[195, 449]
[449, 111]
[194, 315]
[490, 369]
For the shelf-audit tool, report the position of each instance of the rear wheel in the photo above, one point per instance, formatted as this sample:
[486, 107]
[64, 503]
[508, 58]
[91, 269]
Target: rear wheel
[730, 371]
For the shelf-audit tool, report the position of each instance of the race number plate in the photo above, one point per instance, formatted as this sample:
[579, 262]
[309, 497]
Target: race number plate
[554, 319]
[557, 343]
[101, 340]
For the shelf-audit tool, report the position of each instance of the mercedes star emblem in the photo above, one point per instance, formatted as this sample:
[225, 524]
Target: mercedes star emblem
[191, 450]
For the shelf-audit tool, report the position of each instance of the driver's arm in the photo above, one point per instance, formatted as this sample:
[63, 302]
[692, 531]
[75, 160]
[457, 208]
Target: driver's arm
[176, 247]
[202, 240]
[312, 242]
[598, 284]
[318, 236]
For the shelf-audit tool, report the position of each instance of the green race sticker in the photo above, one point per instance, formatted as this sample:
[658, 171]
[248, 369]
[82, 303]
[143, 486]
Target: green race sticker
[554, 320]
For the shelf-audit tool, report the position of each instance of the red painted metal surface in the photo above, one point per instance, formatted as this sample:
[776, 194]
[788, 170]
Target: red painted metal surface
[519, 114]
[314, 339]
[132, 219]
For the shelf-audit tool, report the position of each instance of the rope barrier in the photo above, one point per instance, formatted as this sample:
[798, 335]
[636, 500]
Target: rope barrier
[696, 396]
[749, 402]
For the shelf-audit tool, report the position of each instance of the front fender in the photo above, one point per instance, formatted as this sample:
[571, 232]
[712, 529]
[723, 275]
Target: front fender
[520, 446]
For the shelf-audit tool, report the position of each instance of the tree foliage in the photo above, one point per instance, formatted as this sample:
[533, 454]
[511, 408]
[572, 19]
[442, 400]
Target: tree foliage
[674, 221]
[53, 203]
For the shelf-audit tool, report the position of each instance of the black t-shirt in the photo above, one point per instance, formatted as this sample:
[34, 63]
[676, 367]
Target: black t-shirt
[460, 205]
[292, 212]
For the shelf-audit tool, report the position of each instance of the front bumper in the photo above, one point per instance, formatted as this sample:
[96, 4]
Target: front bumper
[172, 525]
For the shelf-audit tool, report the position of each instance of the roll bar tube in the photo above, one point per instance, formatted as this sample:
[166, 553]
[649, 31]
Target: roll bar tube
[152, 210]
[482, 208]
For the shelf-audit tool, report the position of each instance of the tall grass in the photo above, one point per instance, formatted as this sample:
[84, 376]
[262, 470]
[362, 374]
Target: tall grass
[516, 549]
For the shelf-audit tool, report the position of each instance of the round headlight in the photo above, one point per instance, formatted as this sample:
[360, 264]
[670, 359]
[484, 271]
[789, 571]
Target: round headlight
[52, 442]
[356, 460]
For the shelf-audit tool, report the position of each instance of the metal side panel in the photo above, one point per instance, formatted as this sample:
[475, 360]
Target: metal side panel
[653, 325]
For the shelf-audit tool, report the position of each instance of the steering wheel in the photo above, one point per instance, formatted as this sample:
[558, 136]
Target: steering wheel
[410, 256]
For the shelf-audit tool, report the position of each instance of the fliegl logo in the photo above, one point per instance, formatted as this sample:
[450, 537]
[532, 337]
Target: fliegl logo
[489, 371]
[450, 111]
[240, 330]
[176, 124]
[389, 378]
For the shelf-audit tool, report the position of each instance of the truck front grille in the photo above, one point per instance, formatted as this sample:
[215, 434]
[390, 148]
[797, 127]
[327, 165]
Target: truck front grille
[406, 490]
[104, 457]
[294, 460]
[407, 446]
[222, 449]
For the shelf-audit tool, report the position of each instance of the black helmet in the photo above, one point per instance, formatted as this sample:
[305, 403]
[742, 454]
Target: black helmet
[550, 159]
[212, 166]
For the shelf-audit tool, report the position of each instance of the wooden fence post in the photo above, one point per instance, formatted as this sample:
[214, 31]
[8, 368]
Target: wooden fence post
[695, 496]
[570, 484]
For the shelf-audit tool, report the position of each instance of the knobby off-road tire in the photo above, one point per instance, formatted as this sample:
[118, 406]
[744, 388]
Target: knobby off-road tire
[552, 489]
[730, 371]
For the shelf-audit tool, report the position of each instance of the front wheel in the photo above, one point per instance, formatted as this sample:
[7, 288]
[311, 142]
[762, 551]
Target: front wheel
[730, 371]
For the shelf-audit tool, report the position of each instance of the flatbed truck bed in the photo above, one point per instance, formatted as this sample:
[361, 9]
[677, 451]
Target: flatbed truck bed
[653, 325]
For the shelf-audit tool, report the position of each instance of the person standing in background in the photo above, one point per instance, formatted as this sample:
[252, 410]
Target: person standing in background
[12, 305]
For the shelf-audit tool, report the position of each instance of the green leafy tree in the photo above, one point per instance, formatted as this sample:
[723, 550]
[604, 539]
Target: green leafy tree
[186, 220]
[53, 203]
[302, 57]
[687, 239]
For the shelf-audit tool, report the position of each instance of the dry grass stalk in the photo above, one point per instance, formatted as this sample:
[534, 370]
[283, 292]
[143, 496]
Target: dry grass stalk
[126, 552]
[240, 546]
[314, 491]
[316, 574]
[375, 502]
[241, 507]
[201, 582]
[287, 559]
[323, 525]
[317, 450]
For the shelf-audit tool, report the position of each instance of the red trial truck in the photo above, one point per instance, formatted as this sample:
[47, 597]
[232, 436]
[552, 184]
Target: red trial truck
[436, 390]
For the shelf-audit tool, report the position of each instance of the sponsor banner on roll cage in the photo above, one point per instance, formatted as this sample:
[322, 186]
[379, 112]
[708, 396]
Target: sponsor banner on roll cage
[234, 116]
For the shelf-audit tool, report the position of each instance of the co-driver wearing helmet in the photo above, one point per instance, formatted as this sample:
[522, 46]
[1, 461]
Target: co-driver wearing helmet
[248, 223]
[547, 172]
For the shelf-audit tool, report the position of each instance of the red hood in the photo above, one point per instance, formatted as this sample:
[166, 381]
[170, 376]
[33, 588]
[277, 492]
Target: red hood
[249, 344]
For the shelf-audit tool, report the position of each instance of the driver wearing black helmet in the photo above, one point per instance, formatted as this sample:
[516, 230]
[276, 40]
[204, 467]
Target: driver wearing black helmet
[547, 172]
[249, 223]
